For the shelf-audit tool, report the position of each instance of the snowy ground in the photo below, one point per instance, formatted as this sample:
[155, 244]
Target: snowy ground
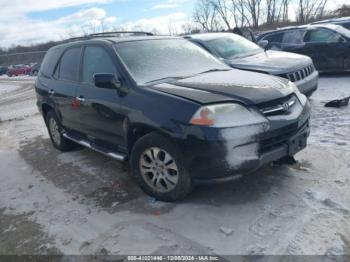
[85, 203]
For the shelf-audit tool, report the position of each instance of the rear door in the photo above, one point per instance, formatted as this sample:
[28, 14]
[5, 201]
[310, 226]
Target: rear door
[100, 117]
[63, 90]
[327, 48]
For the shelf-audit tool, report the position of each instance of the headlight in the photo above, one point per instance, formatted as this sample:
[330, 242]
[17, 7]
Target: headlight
[302, 98]
[226, 115]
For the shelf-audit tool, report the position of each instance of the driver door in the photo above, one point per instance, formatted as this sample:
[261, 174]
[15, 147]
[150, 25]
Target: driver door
[100, 117]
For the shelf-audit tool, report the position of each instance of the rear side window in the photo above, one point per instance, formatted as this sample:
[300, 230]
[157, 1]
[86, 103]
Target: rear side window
[274, 38]
[69, 66]
[49, 62]
[322, 36]
[293, 37]
[96, 60]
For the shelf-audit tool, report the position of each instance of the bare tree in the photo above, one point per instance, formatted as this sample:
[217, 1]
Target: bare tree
[206, 16]
[309, 10]
[344, 10]
[189, 28]
[223, 10]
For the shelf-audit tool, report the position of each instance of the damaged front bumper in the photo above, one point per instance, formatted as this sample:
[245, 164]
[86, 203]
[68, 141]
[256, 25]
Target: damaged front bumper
[215, 154]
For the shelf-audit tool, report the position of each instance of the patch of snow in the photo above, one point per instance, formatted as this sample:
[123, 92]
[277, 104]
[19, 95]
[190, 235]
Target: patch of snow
[240, 143]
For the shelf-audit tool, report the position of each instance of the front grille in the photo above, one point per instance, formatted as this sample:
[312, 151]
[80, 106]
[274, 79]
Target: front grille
[299, 74]
[281, 106]
[281, 137]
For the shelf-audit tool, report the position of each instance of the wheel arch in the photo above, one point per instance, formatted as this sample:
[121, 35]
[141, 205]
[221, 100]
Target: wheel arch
[136, 131]
[45, 109]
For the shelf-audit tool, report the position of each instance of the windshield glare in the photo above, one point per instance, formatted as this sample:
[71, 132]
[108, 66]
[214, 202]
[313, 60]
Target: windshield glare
[150, 60]
[232, 45]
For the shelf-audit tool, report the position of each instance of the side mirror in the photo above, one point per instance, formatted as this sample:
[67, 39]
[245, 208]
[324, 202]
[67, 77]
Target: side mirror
[263, 43]
[107, 81]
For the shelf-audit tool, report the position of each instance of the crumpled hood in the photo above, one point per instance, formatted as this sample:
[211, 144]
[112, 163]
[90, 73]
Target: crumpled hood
[272, 62]
[233, 85]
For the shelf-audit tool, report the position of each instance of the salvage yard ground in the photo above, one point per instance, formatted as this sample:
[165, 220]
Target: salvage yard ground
[84, 203]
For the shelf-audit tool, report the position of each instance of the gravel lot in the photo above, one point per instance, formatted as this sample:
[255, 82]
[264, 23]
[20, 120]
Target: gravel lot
[85, 203]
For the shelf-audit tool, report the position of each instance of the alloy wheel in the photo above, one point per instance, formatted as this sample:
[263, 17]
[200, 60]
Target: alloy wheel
[159, 169]
[55, 132]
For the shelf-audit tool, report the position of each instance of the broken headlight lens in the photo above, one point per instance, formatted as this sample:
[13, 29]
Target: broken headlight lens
[226, 115]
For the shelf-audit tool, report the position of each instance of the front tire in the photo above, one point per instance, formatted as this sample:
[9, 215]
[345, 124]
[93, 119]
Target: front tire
[158, 166]
[56, 133]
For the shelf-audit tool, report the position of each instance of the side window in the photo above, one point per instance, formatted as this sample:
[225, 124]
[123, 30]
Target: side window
[69, 66]
[96, 60]
[322, 36]
[293, 37]
[50, 62]
[274, 38]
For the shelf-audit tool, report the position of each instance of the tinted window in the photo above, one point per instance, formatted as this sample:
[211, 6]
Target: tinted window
[50, 61]
[322, 36]
[232, 45]
[69, 66]
[293, 37]
[149, 60]
[96, 60]
[274, 38]
[347, 25]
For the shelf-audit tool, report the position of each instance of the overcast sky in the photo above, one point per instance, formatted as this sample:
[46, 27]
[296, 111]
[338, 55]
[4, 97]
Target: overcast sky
[32, 21]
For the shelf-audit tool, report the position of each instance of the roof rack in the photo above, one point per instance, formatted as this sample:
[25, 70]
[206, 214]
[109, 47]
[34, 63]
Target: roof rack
[116, 33]
[110, 34]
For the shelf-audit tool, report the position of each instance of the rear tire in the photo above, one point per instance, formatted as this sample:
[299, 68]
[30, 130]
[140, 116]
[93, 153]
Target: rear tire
[56, 133]
[157, 164]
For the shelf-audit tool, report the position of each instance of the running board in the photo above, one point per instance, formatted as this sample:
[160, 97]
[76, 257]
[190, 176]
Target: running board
[87, 144]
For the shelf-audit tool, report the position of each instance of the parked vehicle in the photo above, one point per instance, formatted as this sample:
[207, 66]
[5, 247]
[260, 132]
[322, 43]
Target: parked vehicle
[238, 52]
[171, 109]
[343, 21]
[3, 70]
[17, 70]
[328, 45]
[34, 70]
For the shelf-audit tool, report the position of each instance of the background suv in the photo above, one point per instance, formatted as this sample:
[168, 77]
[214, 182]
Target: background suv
[328, 45]
[238, 52]
[170, 108]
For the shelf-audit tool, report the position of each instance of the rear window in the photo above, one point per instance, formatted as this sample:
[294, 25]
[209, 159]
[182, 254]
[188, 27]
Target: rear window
[322, 36]
[50, 61]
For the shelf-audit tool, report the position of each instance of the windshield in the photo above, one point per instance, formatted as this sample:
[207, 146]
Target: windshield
[232, 45]
[156, 59]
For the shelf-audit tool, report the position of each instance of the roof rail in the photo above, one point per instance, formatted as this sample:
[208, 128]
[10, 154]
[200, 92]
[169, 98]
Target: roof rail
[115, 33]
[109, 34]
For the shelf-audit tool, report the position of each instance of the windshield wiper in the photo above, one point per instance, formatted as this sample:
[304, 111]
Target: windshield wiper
[173, 78]
[168, 78]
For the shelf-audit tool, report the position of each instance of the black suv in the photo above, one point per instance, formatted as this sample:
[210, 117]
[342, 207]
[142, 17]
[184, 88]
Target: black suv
[171, 109]
[327, 45]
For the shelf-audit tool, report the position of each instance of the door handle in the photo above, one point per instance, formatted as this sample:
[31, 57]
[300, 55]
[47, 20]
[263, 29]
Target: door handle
[51, 92]
[80, 99]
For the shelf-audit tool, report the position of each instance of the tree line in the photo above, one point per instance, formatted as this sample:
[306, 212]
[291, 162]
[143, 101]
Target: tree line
[208, 15]
[218, 15]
